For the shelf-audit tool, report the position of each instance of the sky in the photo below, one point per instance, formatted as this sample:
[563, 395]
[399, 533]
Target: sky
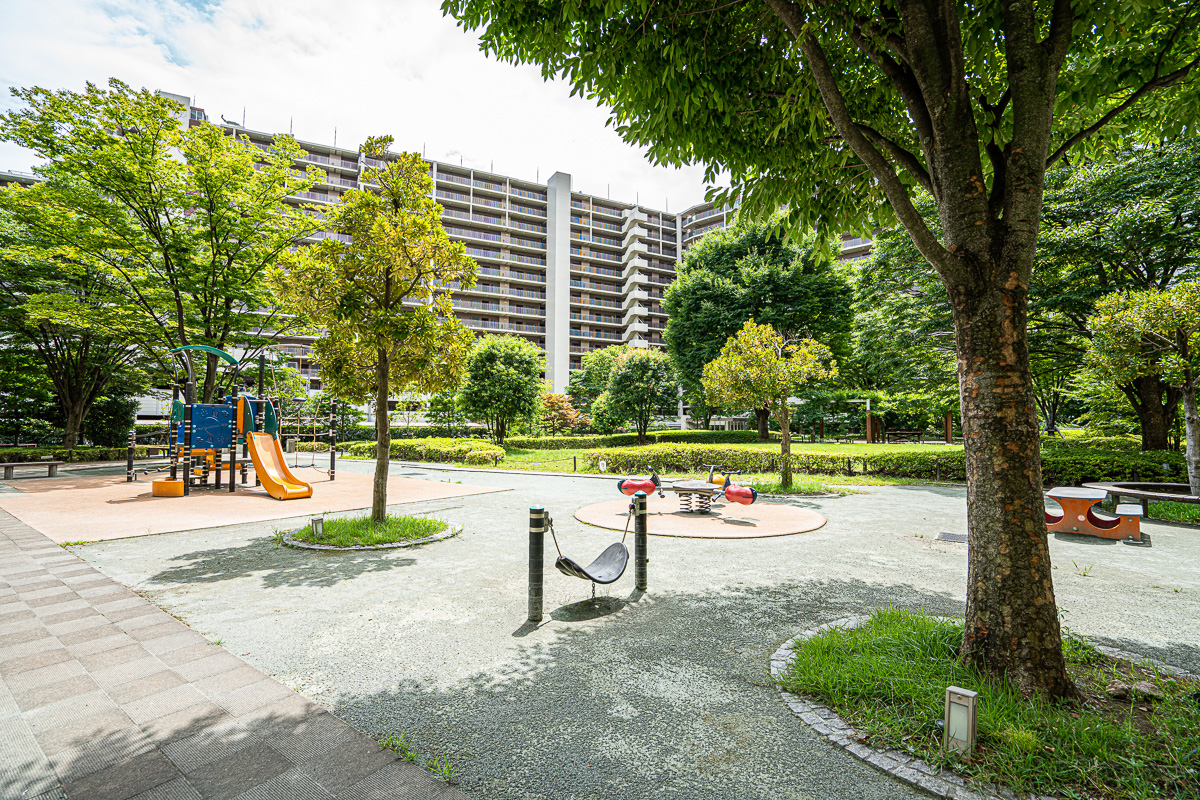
[360, 67]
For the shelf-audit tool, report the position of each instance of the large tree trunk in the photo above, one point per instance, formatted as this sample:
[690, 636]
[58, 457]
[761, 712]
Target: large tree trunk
[1155, 404]
[383, 439]
[763, 416]
[75, 413]
[1191, 424]
[1012, 626]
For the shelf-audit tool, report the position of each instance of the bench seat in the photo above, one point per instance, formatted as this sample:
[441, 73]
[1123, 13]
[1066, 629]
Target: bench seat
[51, 467]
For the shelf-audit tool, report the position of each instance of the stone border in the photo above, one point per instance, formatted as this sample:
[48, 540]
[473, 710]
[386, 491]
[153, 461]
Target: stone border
[290, 540]
[897, 763]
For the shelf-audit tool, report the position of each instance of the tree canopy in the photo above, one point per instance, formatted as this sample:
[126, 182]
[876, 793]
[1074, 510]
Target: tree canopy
[379, 298]
[641, 384]
[504, 378]
[182, 222]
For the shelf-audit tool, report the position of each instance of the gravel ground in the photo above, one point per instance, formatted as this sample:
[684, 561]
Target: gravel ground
[661, 695]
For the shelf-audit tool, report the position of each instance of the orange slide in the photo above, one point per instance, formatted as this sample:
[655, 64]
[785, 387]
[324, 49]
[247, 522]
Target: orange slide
[271, 470]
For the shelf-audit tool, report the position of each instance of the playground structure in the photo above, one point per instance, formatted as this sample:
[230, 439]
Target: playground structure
[695, 497]
[204, 439]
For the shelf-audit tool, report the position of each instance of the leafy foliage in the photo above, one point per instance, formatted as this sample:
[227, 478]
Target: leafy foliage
[759, 368]
[378, 297]
[591, 379]
[460, 451]
[176, 225]
[504, 377]
[641, 384]
[558, 415]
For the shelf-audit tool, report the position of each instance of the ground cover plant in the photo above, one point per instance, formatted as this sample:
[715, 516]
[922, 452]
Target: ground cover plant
[1175, 512]
[355, 531]
[888, 677]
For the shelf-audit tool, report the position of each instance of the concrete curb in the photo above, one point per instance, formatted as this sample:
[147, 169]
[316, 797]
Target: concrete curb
[290, 540]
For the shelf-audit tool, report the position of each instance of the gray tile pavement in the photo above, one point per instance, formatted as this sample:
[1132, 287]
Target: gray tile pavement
[105, 697]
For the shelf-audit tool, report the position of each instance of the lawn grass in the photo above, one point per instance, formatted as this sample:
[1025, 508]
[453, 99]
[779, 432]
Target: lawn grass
[888, 678]
[1175, 512]
[351, 531]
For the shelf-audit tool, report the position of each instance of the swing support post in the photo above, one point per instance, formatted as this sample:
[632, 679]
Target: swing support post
[537, 543]
[639, 541]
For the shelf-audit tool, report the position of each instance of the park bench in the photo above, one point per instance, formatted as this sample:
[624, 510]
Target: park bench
[51, 467]
[905, 436]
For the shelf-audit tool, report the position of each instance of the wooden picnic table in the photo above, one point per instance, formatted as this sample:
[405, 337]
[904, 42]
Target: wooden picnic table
[1079, 516]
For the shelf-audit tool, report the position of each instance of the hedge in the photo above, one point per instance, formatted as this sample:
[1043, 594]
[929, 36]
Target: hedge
[79, 455]
[463, 451]
[629, 439]
[1059, 467]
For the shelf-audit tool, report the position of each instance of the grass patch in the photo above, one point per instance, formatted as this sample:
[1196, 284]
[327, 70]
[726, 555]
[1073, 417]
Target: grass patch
[351, 531]
[1176, 512]
[888, 678]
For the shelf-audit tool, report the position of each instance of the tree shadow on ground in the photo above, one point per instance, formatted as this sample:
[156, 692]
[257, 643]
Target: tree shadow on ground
[277, 566]
[668, 696]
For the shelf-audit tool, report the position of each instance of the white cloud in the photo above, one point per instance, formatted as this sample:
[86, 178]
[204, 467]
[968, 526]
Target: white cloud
[361, 66]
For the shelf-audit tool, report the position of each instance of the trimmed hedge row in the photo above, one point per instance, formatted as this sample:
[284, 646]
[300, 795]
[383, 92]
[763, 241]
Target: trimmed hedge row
[463, 451]
[1059, 467]
[80, 455]
[630, 439]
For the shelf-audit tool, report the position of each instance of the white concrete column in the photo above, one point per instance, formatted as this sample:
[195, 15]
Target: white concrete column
[558, 280]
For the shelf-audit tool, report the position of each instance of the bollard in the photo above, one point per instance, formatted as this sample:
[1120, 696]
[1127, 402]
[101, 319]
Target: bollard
[574, 463]
[129, 456]
[332, 444]
[187, 448]
[639, 541]
[537, 541]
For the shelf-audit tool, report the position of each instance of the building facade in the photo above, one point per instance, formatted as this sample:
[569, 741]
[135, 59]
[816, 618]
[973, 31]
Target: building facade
[569, 271]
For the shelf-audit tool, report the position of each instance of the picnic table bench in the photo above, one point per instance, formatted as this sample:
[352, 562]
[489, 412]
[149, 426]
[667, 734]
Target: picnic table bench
[905, 436]
[1078, 516]
[51, 467]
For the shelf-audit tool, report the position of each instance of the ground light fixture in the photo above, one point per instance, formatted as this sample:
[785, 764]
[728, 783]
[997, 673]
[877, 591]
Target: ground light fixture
[961, 707]
[318, 527]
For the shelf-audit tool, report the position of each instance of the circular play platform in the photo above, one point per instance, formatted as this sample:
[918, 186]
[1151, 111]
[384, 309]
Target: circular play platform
[727, 520]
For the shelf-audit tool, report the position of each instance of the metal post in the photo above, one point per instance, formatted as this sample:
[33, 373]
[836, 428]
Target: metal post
[537, 542]
[639, 541]
[173, 435]
[217, 461]
[574, 463]
[332, 438]
[129, 455]
[233, 434]
[187, 443]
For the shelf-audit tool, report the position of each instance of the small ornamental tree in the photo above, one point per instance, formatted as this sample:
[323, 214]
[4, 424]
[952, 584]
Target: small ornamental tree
[758, 368]
[1155, 332]
[558, 415]
[380, 302]
[591, 379]
[444, 413]
[504, 377]
[642, 382]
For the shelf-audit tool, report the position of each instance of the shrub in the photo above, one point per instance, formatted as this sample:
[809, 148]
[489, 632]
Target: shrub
[630, 439]
[1059, 467]
[463, 451]
[79, 456]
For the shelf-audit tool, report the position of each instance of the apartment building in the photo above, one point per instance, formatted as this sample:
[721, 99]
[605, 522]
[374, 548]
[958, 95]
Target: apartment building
[570, 271]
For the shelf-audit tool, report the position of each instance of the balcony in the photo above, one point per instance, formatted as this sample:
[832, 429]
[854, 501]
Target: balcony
[459, 179]
[528, 193]
[602, 318]
[530, 210]
[611, 336]
[496, 325]
[446, 194]
[489, 202]
[595, 287]
[610, 273]
[517, 275]
[491, 187]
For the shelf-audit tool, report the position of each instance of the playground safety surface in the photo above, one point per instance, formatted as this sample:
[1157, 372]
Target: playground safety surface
[728, 520]
[97, 508]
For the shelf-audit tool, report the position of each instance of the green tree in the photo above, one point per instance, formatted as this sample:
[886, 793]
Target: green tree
[112, 417]
[26, 400]
[81, 362]
[1155, 331]
[759, 368]
[381, 300]
[504, 377]
[591, 379]
[842, 111]
[642, 383]
[750, 271]
[182, 222]
[445, 413]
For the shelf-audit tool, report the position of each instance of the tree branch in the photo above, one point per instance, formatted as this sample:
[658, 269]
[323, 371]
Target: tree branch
[902, 156]
[792, 16]
[1150, 86]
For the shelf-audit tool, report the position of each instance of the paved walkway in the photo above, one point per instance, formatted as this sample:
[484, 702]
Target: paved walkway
[105, 697]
